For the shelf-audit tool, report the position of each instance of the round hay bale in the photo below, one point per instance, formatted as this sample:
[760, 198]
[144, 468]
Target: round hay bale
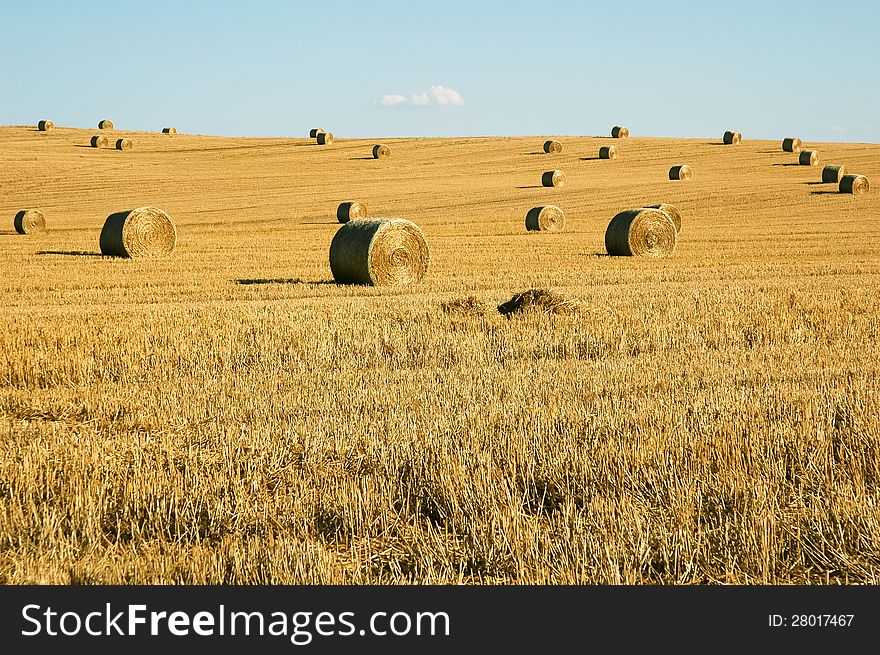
[105, 124]
[30, 221]
[642, 232]
[854, 184]
[671, 211]
[552, 146]
[381, 251]
[553, 178]
[620, 132]
[142, 232]
[792, 144]
[315, 131]
[683, 172]
[99, 141]
[351, 210]
[833, 174]
[325, 138]
[380, 151]
[169, 130]
[608, 152]
[548, 218]
[808, 158]
[124, 144]
[732, 138]
[45, 126]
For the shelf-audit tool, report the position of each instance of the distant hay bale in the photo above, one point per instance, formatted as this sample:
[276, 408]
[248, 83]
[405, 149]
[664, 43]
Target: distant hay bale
[105, 124]
[854, 184]
[315, 131]
[99, 141]
[325, 138]
[732, 138]
[620, 132]
[169, 130]
[682, 172]
[645, 232]
[671, 211]
[548, 218]
[124, 144]
[539, 300]
[142, 232]
[553, 178]
[379, 252]
[469, 306]
[833, 174]
[30, 221]
[808, 158]
[608, 152]
[350, 210]
[551, 146]
[792, 144]
[45, 126]
[380, 151]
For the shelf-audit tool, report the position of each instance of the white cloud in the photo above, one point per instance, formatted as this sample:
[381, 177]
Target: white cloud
[392, 100]
[421, 99]
[435, 96]
[443, 96]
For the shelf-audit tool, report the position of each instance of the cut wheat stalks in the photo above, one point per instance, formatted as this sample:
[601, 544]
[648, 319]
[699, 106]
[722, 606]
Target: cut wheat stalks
[45, 126]
[553, 178]
[854, 184]
[732, 138]
[548, 218]
[30, 221]
[325, 138]
[99, 141]
[105, 124]
[833, 174]
[552, 147]
[169, 130]
[619, 132]
[642, 232]
[380, 151]
[379, 252]
[808, 158]
[539, 300]
[315, 131]
[350, 210]
[683, 172]
[671, 211]
[141, 232]
[608, 152]
[124, 144]
[792, 144]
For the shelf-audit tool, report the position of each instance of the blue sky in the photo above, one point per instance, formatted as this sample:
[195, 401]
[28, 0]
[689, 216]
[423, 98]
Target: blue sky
[272, 68]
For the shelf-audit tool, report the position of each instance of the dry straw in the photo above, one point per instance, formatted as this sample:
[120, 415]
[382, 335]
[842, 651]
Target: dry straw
[350, 210]
[619, 132]
[642, 232]
[548, 218]
[608, 152]
[124, 144]
[833, 174]
[553, 178]
[854, 184]
[551, 146]
[381, 251]
[45, 126]
[468, 306]
[808, 158]
[380, 151]
[105, 124]
[539, 300]
[792, 144]
[732, 138]
[325, 138]
[683, 172]
[142, 232]
[30, 221]
[99, 141]
[671, 211]
[169, 130]
[315, 131]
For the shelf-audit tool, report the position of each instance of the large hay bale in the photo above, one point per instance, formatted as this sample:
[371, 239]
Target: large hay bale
[45, 126]
[548, 218]
[682, 172]
[325, 138]
[141, 232]
[30, 221]
[553, 178]
[833, 174]
[732, 138]
[619, 132]
[792, 144]
[854, 184]
[380, 251]
[315, 131]
[124, 144]
[105, 124]
[99, 141]
[608, 152]
[351, 210]
[671, 211]
[380, 151]
[169, 130]
[808, 158]
[642, 232]
[551, 146]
